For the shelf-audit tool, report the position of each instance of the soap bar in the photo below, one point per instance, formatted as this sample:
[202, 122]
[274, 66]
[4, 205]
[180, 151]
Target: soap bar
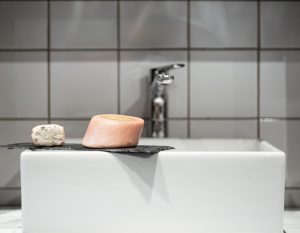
[113, 131]
[48, 135]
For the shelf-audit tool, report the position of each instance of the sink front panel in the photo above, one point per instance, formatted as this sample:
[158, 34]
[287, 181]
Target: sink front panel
[170, 192]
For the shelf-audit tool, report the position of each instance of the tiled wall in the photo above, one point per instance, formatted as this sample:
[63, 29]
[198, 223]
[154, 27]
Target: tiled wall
[64, 61]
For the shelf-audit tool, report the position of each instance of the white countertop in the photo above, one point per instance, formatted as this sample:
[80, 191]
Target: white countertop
[10, 221]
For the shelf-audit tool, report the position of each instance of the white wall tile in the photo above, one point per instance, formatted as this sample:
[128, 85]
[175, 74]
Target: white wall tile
[223, 84]
[280, 82]
[146, 130]
[23, 84]
[73, 129]
[13, 132]
[83, 84]
[280, 24]
[80, 24]
[174, 129]
[223, 128]
[135, 77]
[148, 24]
[177, 128]
[285, 135]
[23, 24]
[223, 23]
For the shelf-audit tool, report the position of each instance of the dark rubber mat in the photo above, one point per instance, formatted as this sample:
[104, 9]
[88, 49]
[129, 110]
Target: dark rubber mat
[141, 149]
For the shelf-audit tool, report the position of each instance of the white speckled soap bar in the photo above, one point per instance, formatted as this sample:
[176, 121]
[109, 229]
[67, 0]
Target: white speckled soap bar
[48, 135]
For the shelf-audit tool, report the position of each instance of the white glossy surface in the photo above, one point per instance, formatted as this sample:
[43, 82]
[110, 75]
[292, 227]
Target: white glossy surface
[285, 135]
[12, 131]
[235, 183]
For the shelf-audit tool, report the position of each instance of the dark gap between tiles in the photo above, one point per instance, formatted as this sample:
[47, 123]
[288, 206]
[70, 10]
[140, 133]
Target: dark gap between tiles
[258, 68]
[188, 68]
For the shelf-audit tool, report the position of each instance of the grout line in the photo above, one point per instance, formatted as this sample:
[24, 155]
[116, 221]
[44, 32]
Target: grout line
[121, 49]
[279, 118]
[223, 48]
[143, 49]
[258, 69]
[279, 49]
[223, 118]
[25, 50]
[188, 68]
[23, 119]
[48, 61]
[292, 188]
[118, 57]
[70, 119]
[9, 188]
[262, 119]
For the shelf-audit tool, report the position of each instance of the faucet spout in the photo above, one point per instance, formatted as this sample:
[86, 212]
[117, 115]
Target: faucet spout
[160, 79]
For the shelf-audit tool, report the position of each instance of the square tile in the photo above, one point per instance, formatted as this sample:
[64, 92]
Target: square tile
[285, 135]
[280, 24]
[223, 24]
[292, 201]
[279, 84]
[83, 84]
[146, 131]
[23, 84]
[153, 24]
[223, 84]
[177, 128]
[135, 82]
[23, 24]
[223, 128]
[73, 129]
[12, 132]
[84, 24]
[174, 129]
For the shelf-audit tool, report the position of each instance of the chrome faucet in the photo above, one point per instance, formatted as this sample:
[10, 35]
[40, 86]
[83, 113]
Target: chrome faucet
[160, 78]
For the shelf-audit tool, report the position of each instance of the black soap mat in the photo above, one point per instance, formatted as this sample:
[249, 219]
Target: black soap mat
[141, 149]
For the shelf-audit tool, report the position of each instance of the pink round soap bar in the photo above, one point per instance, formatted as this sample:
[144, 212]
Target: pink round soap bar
[112, 131]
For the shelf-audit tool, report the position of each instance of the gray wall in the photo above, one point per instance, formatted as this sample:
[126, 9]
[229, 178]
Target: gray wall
[63, 62]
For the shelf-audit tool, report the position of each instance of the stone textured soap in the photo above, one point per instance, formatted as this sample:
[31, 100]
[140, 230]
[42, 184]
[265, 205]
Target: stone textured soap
[48, 135]
[113, 131]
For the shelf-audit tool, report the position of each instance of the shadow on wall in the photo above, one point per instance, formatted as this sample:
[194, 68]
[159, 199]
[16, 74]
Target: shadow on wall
[141, 105]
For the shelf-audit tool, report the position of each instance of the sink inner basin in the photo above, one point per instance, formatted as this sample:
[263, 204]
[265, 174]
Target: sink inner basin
[212, 145]
[203, 185]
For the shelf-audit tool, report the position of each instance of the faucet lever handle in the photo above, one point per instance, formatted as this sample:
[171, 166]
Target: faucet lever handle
[165, 69]
[164, 79]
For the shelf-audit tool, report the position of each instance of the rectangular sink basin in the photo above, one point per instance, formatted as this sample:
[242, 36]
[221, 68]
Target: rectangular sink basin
[209, 186]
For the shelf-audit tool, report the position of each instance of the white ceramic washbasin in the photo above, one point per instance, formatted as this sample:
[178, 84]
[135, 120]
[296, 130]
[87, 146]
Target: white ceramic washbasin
[209, 186]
